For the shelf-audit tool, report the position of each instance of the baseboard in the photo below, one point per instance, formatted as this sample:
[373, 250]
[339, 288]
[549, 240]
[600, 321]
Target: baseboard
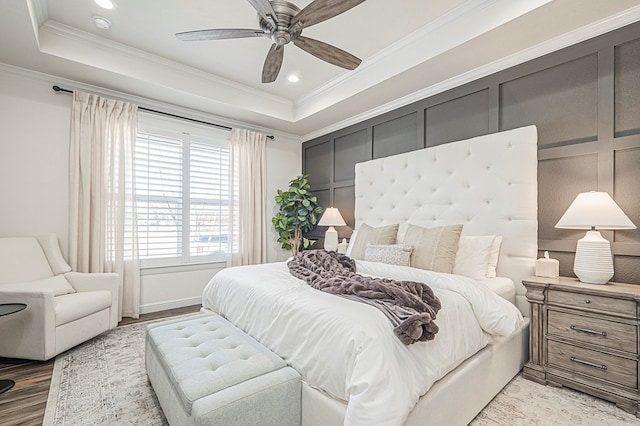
[170, 304]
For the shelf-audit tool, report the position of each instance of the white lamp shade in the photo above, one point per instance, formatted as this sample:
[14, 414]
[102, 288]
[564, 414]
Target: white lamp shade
[594, 210]
[332, 217]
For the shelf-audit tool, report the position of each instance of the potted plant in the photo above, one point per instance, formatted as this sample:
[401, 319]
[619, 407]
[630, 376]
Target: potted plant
[299, 212]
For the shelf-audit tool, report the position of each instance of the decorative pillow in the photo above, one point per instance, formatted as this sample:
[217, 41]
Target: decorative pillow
[351, 241]
[472, 258]
[392, 254]
[493, 257]
[370, 235]
[434, 249]
[58, 284]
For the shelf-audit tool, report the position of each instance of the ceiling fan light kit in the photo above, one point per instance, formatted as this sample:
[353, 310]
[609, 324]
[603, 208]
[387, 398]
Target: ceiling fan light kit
[283, 23]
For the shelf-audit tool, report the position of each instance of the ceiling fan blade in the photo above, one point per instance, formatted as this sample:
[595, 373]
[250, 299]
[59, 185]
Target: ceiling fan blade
[321, 10]
[221, 34]
[264, 9]
[273, 63]
[327, 52]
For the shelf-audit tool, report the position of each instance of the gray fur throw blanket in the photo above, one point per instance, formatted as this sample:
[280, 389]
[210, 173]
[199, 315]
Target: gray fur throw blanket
[410, 306]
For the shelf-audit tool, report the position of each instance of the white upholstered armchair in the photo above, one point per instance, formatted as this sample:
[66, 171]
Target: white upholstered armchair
[64, 308]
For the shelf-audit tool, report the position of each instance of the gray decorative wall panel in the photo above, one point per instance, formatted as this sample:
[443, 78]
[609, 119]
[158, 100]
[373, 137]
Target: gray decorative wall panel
[349, 150]
[626, 268]
[456, 119]
[324, 197]
[627, 88]
[344, 199]
[395, 136]
[627, 190]
[585, 101]
[316, 159]
[559, 180]
[561, 101]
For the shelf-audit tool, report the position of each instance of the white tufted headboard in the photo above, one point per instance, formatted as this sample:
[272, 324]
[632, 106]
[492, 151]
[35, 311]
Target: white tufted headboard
[488, 183]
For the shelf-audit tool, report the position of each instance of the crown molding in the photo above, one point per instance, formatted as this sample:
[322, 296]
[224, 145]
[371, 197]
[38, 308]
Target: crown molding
[38, 14]
[141, 101]
[103, 44]
[72, 44]
[451, 30]
[584, 33]
[418, 35]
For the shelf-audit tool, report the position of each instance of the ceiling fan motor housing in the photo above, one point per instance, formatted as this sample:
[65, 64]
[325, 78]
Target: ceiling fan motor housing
[284, 12]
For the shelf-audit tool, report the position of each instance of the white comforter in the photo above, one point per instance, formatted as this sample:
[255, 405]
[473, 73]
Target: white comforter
[347, 348]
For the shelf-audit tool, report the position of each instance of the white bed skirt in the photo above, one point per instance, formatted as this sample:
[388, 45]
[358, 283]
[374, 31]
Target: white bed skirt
[476, 381]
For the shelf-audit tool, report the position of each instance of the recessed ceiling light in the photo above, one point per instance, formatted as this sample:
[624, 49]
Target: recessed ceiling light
[106, 4]
[293, 78]
[102, 23]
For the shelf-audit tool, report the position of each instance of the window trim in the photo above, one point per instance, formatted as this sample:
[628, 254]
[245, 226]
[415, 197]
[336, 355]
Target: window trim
[188, 133]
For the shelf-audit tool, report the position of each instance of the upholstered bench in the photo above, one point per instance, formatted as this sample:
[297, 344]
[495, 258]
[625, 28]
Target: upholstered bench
[205, 371]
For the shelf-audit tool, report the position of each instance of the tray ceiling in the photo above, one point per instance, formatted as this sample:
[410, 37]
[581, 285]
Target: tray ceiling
[410, 49]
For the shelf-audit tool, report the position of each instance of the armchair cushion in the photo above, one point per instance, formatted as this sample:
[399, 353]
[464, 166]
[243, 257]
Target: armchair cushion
[22, 260]
[51, 249]
[71, 307]
[58, 285]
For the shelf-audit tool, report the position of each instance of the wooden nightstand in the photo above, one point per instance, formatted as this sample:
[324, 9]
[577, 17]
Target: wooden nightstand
[585, 337]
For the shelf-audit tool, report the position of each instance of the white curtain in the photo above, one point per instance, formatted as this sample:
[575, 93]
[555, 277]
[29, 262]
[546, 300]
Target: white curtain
[249, 167]
[102, 227]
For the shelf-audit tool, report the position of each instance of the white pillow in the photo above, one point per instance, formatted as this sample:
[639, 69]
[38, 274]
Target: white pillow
[392, 254]
[493, 257]
[472, 258]
[58, 284]
[351, 242]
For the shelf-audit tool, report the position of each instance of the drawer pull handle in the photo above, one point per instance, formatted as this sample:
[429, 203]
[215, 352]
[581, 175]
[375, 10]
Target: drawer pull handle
[587, 301]
[590, 364]
[586, 330]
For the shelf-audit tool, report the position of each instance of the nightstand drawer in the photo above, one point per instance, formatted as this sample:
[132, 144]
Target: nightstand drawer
[596, 331]
[596, 303]
[592, 363]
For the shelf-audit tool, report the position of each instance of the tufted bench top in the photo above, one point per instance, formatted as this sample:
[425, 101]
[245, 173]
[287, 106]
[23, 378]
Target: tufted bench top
[204, 354]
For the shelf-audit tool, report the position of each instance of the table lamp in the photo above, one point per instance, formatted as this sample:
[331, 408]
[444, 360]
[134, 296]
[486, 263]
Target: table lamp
[594, 210]
[331, 217]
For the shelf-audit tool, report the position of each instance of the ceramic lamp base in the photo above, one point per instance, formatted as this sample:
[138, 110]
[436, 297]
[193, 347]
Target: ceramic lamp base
[593, 263]
[331, 239]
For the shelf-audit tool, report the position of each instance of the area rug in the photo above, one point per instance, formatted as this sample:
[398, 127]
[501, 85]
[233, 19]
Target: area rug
[104, 382]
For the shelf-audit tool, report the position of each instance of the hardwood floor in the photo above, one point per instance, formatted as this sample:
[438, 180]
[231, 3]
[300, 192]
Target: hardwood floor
[25, 403]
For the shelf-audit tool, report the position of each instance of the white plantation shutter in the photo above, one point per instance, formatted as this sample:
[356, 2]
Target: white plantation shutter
[159, 196]
[209, 200]
[182, 191]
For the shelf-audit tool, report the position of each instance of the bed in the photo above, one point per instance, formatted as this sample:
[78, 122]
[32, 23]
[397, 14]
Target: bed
[354, 369]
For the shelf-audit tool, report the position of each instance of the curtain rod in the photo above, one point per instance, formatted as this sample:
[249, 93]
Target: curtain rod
[60, 89]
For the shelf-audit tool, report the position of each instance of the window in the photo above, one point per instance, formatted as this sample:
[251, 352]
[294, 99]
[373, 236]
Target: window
[183, 196]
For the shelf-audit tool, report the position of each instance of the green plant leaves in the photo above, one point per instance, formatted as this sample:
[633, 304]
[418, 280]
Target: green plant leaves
[298, 211]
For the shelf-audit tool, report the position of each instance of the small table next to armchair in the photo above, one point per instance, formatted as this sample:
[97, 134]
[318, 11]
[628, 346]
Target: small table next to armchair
[8, 309]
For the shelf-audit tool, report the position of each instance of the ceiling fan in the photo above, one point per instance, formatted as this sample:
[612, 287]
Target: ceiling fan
[283, 23]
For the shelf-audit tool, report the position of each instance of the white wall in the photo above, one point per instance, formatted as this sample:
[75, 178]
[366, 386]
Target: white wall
[34, 151]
